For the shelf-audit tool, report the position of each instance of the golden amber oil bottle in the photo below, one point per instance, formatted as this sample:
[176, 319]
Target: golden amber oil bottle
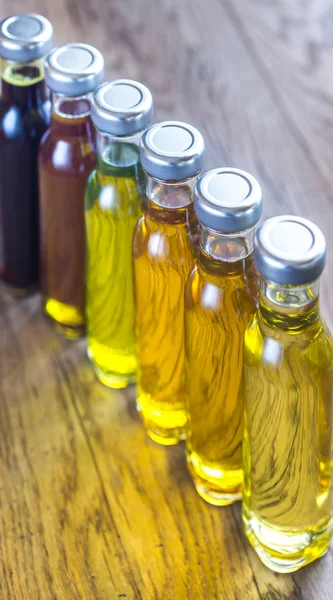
[221, 296]
[66, 158]
[288, 380]
[120, 111]
[164, 248]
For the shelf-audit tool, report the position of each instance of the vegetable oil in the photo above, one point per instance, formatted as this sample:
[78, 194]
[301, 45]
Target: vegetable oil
[221, 296]
[114, 198]
[67, 156]
[288, 383]
[164, 249]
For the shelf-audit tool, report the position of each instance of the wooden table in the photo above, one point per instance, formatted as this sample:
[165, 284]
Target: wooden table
[91, 508]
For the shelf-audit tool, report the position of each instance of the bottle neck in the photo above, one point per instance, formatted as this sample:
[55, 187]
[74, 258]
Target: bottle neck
[23, 82]
[118, 156]
[289, 307]
[225, 252]
[224, 247]
[118, 151]
[170, 202]
[71, 108]
[71, 117]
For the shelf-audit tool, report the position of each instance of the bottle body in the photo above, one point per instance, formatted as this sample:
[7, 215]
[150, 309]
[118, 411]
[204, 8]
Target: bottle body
[112, 208]
[221, 296]
[163, 256]
[24, 117]
[66, 158]
[288, 378]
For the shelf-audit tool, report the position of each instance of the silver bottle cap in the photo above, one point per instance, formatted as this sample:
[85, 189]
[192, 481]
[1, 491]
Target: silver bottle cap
[74, 69]
[228, 200]
[172, 151]
[122, 107]
[25, 37]
[290, 250]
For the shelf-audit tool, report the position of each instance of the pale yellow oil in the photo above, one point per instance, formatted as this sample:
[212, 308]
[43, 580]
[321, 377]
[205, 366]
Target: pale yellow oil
[113, 207]
[163, 257]
[220, 299]
[288, 379]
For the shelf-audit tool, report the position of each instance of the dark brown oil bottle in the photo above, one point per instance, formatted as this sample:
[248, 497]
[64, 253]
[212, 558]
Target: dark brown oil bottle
[24, 117]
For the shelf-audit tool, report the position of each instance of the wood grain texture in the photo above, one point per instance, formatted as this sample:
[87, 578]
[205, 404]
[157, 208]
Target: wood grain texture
[90, 508]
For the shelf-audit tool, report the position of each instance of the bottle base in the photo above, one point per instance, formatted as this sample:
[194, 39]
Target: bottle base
[216, 486]
[68, 320]
[286, 551]
[166, 438]
[18, 292]
[123, 371]
[166, 426]
[113, 380]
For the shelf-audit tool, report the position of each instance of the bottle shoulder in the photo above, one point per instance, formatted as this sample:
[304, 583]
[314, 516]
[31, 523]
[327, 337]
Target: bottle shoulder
[149, 226]
[206, 292]
[118, 195]
[317, 328]
[91, 190]
[82, 143]
[92, 181]
[70, 155]
[311, 346]
[159, 241]
[22, 122]
[41, 109]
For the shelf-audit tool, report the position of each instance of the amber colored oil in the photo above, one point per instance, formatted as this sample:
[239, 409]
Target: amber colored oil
[288, 379]
[66, 158]
[163, 256]
[220, 298]
[113, 207]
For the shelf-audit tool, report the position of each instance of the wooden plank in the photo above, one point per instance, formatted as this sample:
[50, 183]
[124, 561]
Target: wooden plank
[57, 534]
[104, 512]
[290, 47]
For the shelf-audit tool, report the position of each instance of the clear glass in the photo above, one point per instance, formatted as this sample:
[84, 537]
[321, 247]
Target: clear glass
[164, 250]
[221, 296]
[288, 383]
[66, 158]
[24, 117]
[113, 205]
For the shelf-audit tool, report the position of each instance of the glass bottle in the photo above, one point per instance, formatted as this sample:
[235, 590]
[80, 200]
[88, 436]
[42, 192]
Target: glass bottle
[24, 117]
[221, 296]
[288, 386]
[120, 111]
[66, 157]
[172, 155]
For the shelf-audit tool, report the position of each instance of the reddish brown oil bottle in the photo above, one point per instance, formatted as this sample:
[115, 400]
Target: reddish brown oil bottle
[67, 156]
